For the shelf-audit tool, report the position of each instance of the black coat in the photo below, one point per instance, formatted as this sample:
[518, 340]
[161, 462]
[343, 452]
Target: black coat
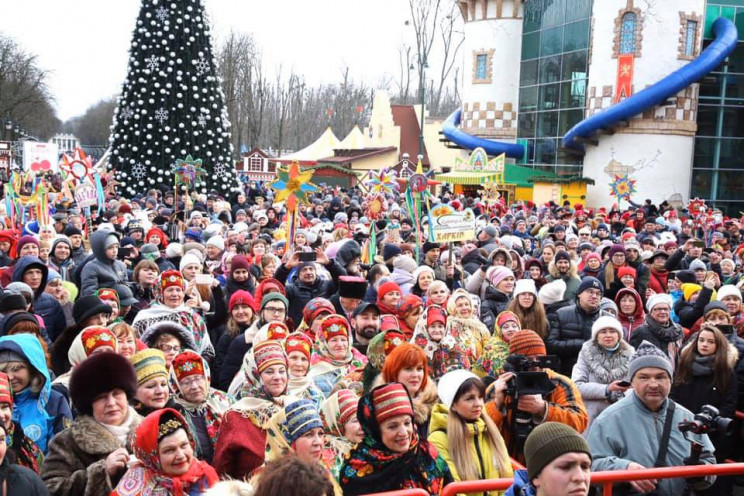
[492, 305]
[299, 293]
[660, 337]
[689, 313]
[22, 480]
[570, 327]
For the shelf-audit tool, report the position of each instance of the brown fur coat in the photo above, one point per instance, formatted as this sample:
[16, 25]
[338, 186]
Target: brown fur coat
[76, 462]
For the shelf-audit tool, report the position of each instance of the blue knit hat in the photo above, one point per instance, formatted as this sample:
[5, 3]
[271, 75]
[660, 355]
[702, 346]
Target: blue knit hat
[301, 416]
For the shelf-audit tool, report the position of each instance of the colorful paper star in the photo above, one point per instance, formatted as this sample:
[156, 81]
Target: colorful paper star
[292, 185]
[381, 182]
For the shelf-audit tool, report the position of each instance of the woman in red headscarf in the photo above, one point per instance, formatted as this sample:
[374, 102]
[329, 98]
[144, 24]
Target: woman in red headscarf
[164, 448]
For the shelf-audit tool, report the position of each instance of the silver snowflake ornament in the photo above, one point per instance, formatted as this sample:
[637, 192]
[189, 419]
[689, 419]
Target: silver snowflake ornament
[139, 170]
[161, 115]
[153, 63]
[162, 14]
[126, 113]
[201, 65]
[220, 169]
[202, 120]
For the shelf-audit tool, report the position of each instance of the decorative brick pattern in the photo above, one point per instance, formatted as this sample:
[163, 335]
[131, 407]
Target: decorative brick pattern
[489, 119]
[684, 19]
[489, 66]
[619, 26]
[677, 119]
[501, 9]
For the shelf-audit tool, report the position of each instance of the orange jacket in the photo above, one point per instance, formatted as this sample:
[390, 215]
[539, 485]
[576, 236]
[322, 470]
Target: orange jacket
[564, 406]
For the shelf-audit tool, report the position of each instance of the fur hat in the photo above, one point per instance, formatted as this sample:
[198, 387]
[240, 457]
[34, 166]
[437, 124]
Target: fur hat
[352, 287]
[100, 374]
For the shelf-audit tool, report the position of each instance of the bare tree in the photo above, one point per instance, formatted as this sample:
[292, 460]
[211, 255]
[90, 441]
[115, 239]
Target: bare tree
[452, 41]
[25, 97]
[94, 126]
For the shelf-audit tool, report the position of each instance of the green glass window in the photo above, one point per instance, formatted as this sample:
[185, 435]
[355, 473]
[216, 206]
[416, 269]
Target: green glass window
[550, 41]
[576, 36]
[531, 46]
[528, 73]
[481, 70]
[550, 69]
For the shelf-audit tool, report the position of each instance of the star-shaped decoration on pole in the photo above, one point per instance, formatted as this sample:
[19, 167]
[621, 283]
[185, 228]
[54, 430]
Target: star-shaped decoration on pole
[188, 171]
[383, 182]
[292, 185]
[696, 207]
[622, 187]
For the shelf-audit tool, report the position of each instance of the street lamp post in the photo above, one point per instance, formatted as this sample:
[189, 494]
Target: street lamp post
[422, 88]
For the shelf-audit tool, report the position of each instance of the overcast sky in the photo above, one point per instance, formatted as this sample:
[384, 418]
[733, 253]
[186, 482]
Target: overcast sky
[85, 43]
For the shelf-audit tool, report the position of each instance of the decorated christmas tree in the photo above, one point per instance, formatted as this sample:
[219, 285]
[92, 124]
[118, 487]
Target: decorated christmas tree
[171, 104]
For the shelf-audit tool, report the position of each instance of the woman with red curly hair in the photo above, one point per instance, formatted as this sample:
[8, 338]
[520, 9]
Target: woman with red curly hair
[407, 364]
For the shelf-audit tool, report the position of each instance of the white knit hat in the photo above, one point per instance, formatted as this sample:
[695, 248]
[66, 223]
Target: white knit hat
[189, 259]
[552, 292]
[421, 270]
[728, 290]
[606, 322]
[450, 382]
[657, 299]
[174, 250]
[524, 286]
[217, 242]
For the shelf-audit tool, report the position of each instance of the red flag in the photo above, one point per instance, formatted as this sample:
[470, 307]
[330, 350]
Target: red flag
[625, 63]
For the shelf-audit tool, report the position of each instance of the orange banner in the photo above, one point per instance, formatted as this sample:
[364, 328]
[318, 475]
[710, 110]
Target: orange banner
[624, 85]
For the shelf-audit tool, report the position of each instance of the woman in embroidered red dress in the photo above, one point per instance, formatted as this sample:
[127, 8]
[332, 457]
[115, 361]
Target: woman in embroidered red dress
[164, 448]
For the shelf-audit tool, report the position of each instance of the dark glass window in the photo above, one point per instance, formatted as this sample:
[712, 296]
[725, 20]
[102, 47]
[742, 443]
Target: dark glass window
[690, 38]
[528, 73]
[481, 70]
[576, 36]
[550, 69]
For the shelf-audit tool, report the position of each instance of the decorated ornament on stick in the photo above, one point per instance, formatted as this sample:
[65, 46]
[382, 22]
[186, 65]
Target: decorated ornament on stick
[188, 172]
[26, 198]
[80, 176]
[292, 187]
[417, 192]
[622, 187]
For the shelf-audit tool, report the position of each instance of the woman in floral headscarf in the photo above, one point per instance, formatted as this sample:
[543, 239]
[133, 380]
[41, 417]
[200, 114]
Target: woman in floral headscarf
[379, 464]
[440, 343]
[497, 348]
[203, 406]
[334, 356]
[342, 428]
[410, 309]
[240, 448]
[464, 323]
[164, 447]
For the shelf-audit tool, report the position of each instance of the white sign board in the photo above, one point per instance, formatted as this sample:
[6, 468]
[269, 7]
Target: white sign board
[40, 157]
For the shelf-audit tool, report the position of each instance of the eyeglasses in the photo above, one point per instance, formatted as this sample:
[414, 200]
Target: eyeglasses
[165, 348]
[191, 381]
[594, 292]
[275, 309]
[660, 310]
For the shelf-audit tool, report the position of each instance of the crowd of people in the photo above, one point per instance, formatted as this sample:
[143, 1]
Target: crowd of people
[181, 345]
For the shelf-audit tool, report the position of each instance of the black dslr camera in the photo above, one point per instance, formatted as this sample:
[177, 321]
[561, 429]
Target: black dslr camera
[708, 421]
[525, 383]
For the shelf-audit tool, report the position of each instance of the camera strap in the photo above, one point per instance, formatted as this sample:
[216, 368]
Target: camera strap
[664, 443]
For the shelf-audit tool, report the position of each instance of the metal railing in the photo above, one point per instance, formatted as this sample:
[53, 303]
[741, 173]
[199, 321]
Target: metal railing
[605, 479]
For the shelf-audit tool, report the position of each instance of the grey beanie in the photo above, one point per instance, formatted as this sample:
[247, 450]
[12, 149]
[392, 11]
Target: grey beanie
[697, 264]
[649, 355]
[405, 263]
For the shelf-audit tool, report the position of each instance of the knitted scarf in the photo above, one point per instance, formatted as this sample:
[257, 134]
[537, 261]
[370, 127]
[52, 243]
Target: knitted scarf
[703, 365]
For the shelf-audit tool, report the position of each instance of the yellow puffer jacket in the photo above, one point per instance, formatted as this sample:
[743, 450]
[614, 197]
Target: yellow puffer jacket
[481, 449]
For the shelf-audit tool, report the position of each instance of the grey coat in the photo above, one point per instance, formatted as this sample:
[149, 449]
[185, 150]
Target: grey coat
[76, 462]
[101, 272]
[595, 370]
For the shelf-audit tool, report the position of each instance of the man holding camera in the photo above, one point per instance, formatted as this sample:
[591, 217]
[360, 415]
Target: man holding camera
[561, 404]
[641, 430]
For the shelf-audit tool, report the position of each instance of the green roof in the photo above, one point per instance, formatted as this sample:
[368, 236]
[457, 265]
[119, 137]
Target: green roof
[524, 176]
[562, 179]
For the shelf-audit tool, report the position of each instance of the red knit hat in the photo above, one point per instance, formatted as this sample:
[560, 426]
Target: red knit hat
[242, 297]
[269, 353]
[390, 400]
[393, 339]
[95, 337]
[109, 294]
[239, 262]
[527, 343]
[298, 341]
[387, 287]
[171, 278]
[507, 316]
[334, 325]
[187, 363]
[436, 314]
[626, 270]
[347, 406]
[6, 390]
[389, 322]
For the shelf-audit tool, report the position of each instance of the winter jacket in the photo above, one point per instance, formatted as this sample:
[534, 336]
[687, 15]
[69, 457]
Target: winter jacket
[220, 356]
[679, 260]
[477, 435]
[658, 280]
[630, 322]
[239, 346]
[79, 255]
[76, 462]
[564, 405]
[595, 369]
[22, 480]
[102, 272]
[689, 313]
[522, 486]
[614, 445]
[473, 261]
[570, 327]
[46, 306]
[41, 414]
[403, 279]
[299, 293]
[643, 273]
[495, 302]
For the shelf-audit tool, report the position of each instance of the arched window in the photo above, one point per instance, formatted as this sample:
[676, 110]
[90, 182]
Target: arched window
[628, 33]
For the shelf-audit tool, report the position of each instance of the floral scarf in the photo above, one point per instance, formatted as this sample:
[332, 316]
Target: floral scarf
[443, 356]
[183, 315]
[27, 453]
[372, 467]
[322, 362]
[146, 476]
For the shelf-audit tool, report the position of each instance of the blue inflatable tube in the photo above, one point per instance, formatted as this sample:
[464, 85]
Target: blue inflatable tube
[452, 132]
[724, 43]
